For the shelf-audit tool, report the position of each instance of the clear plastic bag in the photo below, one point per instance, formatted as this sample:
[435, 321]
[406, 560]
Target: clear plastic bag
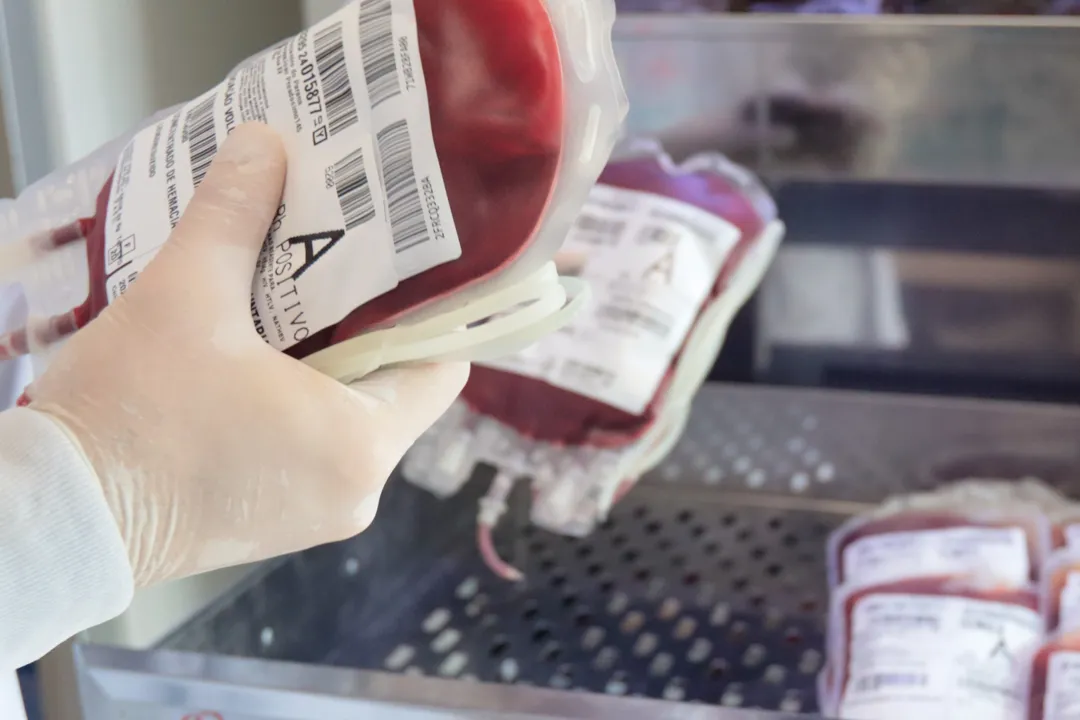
[1062, 513]
[586, 412]
[933, 647]
[1060, 587]
[464, 182]
[970, 528]
[1053, 678]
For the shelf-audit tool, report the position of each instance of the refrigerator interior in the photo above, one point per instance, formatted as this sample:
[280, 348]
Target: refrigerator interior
[923, 166]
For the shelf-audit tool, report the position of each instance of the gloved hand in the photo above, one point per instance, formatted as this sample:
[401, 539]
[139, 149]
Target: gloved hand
[212, 448]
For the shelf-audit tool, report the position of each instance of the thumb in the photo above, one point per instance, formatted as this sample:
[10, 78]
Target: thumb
[223, 229]
[399, 404]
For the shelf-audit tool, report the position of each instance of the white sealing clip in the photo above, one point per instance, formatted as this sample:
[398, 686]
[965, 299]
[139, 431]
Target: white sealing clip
[502, 322]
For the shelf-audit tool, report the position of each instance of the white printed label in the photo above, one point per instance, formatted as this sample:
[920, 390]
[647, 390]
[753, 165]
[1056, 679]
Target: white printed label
[1072, 536]
[1000, 552]
[365, 205]
[1069, 614]
[937, 658]
[652, 263]
[1062, 699]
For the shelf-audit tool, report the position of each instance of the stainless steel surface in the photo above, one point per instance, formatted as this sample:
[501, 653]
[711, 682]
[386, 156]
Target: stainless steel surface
[911, 99]
[134, 686]
[706, 586]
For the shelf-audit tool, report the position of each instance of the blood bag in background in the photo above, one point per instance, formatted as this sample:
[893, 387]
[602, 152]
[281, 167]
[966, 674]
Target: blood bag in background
[934, 569]
[1061, 591]
[439, 150]
[1054, 685]
[932, 648]
[671, 254]
[836, 7]
[1062, 513]
[970, 528]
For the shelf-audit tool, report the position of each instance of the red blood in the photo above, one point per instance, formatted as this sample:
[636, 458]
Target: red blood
[934, 586]
[496, 96]
[1040, 666]
[922, 520]
[547, 413]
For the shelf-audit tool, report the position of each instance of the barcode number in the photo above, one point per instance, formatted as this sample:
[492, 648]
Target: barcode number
[601, 226]
[334, 75]
[890, 680]
[377, 48]
[631, 316]
[572, 369]
[407, 222]
[202, 138]
[353, 190]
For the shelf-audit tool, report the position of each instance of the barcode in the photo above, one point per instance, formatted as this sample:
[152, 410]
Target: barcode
[592, 373]
[602, 226]
[202, 138]
[890, 680]
[353, 190]
[407, 222]
[634, 317]
[334, 75]
[377, 48]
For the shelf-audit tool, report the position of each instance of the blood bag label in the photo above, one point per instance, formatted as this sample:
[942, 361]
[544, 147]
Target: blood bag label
[1072, 536]
[652, 263]
[365, 205]
[1069, 602]
[1001, 552]
[937, 658]
[1062, 700]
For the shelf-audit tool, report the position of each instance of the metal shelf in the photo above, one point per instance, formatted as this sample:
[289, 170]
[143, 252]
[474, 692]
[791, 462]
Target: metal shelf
[706, 586]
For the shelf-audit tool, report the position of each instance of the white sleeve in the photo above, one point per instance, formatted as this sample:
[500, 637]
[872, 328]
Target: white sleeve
[11, 700]
[63, 564]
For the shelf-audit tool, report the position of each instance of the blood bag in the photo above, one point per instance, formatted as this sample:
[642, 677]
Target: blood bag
[972, 527]
[935, 648]
[671, 254]
[438, 152]
[1053, 689]
[912, 570]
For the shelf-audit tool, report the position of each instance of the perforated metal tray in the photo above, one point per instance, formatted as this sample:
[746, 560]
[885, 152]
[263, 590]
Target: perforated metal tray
[706, 585]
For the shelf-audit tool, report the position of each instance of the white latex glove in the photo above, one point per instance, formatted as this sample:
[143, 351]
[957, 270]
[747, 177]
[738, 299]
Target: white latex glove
[212, 448]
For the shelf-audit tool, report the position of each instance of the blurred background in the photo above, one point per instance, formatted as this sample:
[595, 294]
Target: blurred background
[920, 324]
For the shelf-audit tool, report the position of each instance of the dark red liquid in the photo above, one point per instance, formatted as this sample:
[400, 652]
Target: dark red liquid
[495, 90]
[548, 413]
